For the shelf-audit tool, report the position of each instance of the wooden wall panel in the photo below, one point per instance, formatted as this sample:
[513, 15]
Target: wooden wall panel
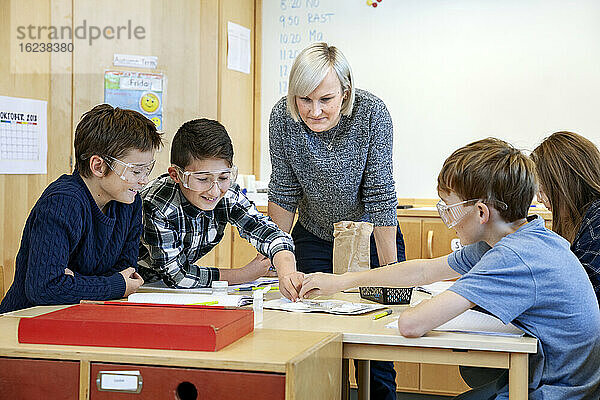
[209, 63]
[38, 76]
[60, 120]
[257, 88]
[175, 32]
[236, 89]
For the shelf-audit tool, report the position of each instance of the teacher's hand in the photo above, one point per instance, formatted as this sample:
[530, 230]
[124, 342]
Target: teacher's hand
[320, 284]
[290, 284]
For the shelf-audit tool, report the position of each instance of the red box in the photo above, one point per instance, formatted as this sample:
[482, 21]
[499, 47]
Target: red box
[148, 326]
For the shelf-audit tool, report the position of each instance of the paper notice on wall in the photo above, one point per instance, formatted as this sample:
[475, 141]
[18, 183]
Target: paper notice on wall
[238, 47]
[23, 136]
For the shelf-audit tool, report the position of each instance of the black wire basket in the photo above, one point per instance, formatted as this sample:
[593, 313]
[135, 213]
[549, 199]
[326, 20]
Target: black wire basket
[386, 295]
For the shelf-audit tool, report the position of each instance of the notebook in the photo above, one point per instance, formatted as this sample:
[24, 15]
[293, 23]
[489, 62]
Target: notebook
[159, 286]
[472, 321]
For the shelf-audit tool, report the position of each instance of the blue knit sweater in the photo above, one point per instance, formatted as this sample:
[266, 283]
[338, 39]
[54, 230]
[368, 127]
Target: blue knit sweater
[66, 229]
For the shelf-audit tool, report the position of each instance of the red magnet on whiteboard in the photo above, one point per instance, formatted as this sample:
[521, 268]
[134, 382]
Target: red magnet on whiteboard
[374, 4]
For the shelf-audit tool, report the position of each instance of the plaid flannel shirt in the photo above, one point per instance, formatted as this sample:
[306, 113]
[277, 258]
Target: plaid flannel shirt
[176, 234]
[586, 245]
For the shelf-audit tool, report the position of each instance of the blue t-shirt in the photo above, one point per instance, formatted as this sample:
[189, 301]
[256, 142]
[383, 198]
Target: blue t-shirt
[532, 279]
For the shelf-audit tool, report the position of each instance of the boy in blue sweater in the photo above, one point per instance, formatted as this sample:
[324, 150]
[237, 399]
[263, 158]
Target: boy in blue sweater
[511, 266]
[81, 239]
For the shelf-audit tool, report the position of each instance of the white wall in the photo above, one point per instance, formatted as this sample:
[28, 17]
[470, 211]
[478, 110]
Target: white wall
[451, 71]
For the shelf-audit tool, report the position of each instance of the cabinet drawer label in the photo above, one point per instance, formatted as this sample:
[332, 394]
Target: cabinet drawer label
[119, 381]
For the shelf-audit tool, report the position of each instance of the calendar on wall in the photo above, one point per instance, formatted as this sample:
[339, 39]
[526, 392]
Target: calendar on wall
[23, 136]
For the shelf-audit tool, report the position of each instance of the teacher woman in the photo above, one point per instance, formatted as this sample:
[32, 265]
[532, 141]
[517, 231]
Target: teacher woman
[331, 157]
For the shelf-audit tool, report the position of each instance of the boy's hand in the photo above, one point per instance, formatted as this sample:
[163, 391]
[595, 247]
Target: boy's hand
[320, 284]
[290, 284]
[258, 267]
[132, 280]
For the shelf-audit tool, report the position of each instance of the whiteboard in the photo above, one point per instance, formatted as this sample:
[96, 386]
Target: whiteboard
[450, 72]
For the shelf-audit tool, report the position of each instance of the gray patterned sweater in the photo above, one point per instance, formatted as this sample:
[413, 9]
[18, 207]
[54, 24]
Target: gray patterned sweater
[349, 180]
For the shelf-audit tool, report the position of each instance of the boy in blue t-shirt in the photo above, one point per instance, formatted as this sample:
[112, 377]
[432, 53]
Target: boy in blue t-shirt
[511, 265]
[81, 239]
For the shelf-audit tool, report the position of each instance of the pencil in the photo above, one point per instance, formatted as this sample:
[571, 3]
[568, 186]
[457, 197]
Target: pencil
[206, 303]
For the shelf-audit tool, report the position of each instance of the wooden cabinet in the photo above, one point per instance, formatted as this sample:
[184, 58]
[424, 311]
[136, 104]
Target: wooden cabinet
[441, 379]
[242, 252]
[233, 251]
[407, 376]
[265, 364]
[436, 238]
[425, 237]
[411, 232]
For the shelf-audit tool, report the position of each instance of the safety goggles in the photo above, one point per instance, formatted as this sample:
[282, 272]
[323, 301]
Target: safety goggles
[132, 173]
[454, 213]
[202, 181]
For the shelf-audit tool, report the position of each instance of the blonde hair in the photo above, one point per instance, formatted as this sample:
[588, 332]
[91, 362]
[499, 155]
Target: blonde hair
[493, 170]
[568, 166]
[309, 70]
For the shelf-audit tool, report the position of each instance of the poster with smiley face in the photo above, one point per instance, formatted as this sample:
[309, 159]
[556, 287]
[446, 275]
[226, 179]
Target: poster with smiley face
[139, 91]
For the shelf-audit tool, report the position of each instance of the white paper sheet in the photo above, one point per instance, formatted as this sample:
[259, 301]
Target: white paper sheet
[327, 306]
[474, 322]
[436, 288]
[23, 136]
[238, 47]
[188, 298]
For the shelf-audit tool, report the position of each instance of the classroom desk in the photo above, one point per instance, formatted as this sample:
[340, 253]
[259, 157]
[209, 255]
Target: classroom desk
[304, 365]
[367, 339]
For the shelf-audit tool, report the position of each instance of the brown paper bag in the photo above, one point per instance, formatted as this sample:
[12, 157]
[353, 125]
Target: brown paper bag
[351, 246]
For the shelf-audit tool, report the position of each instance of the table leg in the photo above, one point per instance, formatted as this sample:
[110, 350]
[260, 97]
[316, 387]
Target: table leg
[345, 379]
[518, 376]
[364, 379]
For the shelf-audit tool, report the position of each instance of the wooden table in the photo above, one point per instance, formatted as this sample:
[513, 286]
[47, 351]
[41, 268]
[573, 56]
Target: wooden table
[365, 339]
[304, 365]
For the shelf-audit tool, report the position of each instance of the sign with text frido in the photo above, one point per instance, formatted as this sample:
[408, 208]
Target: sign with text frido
[139, 91]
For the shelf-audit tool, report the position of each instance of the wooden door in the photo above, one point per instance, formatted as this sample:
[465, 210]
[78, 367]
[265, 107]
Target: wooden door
[436, 238]
[411, 231]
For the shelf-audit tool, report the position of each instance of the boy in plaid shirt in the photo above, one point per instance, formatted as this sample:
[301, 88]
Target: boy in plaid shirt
[186, 211]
